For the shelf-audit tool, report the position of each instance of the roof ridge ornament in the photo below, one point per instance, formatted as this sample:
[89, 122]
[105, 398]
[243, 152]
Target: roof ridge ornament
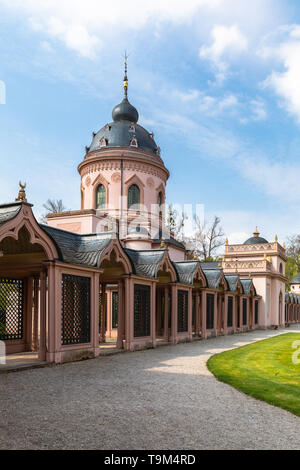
[256, 233]
[22, 194]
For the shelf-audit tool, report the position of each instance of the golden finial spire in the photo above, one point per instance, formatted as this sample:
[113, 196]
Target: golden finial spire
[162, 243]
[22, 194]
[283, 246]
[276, 239]
[125, 81]
[195, 256]
[256, 233]
[226, 242]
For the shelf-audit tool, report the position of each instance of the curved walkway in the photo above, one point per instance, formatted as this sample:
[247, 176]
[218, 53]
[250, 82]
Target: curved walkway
[156, 399]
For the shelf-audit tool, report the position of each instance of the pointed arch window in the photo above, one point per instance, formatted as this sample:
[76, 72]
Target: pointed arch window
[160, 201]
[101, 197]
[134, 196]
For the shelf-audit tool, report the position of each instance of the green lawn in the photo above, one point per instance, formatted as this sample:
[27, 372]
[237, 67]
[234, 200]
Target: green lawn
[264, 370]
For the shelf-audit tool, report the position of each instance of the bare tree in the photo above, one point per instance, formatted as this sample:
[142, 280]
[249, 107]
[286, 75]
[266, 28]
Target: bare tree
[208, 238]
[175, 222]
[52, 206]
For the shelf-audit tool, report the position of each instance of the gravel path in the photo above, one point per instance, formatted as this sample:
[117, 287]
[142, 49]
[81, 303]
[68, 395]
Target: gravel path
[156, 399]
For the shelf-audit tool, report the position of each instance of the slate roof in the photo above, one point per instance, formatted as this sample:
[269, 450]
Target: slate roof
[246, 284]
[186, 271]
[8, 212]
[146, 262]
[210, 265]
[77, 249]
[170, 241]
[232, 282]
[213, 277]
[296, 279]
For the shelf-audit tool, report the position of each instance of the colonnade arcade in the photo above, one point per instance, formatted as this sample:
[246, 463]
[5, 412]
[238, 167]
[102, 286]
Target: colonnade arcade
[62, 295]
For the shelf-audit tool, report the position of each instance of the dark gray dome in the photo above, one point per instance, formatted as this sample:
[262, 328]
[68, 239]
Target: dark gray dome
[124, 133]
[256, 239]
[125, 112]
[296, 279]
[124, 130]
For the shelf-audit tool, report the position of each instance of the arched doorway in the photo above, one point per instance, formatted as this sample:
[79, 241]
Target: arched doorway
[25, 250]
[115, 270]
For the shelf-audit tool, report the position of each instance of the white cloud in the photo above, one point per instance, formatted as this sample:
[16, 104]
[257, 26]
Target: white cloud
[81, 25]
[286, 83]
[227, 41]
[256, 111]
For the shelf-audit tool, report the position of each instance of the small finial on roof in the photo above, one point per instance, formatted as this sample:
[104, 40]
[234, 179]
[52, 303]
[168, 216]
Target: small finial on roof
[195, 256]
[256, 233]
[162, 243]
[226, 242]
[125, 81]
[22, 193]
[276, 239]
[283, 246]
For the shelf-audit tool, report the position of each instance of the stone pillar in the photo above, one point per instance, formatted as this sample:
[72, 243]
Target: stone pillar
[43, 309]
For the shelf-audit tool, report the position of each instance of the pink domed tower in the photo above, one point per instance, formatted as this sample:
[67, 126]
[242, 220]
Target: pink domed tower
[123, 183]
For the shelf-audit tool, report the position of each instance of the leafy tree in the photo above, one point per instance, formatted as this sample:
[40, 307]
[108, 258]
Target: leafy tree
[293, 258]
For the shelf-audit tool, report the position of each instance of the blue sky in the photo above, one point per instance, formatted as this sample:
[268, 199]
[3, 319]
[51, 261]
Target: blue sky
[217, 83]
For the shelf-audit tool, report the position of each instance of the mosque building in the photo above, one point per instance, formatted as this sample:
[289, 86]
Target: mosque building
[111, 274]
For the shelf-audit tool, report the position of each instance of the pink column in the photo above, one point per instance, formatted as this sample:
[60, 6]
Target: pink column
[216, 314]
[174, 334]
[128, 313]
[197, 314]
[95, 314]
[225, 328]
[28, 317]
[121, 325]
[203, 315]
[54, 315]
[166, 315]
[35, 333]
[42, 309]
[241, 314]
[190, 314]
[153, 314]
